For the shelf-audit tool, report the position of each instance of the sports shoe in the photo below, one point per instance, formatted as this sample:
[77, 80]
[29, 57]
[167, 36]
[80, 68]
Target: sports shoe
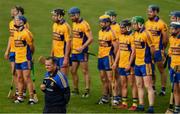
[75, 92]
[162, 93]
[35, 99]
[123, 106]
[133, 108]
[150, 110]
[19, 100]
[86, 93]
[140, 108]
[114, 102]
[103, 100]
[31, 102]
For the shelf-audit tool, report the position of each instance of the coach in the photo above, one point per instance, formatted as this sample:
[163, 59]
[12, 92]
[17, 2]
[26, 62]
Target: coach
[56, 88]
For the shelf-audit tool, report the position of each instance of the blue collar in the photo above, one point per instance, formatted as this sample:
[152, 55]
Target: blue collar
[141, 30]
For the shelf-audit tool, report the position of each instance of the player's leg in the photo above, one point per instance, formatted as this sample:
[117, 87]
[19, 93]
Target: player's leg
[85, 71]
[64, 69]
[148, 85]
[111, 80]
[159, 60]
[132, 82]
[163, 77]
[104, 80]
[124, 92]
[154, 78]
[28, 81]
[13, 71]
[75, 77]
[140, 87]
[118, 85]
[20, 85]
[176, 97]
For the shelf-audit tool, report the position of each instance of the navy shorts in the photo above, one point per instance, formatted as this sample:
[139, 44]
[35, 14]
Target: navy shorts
[12, 56]
[122, 72]
[82, 57]
[143, 70]
[158, 56]
[174, 76]
[22, 66]
[59, 61]
[105, 63]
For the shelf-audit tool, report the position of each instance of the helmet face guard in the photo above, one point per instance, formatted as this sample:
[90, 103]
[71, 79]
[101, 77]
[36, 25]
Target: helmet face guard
[175, 25]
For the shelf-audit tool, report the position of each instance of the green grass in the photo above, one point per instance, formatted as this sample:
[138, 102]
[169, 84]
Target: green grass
[39, 17]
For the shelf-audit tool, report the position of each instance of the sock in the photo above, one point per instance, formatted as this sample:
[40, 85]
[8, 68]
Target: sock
[171, 106]
[135, 100]
[124, 100]
[87, 90]
[118, 98]
[141, 106]
[34, 91]
[177, 109]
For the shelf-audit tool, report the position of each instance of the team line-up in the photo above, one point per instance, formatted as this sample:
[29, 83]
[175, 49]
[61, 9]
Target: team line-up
[128, 52]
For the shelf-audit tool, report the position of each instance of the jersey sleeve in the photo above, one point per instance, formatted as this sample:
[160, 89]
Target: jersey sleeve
[149, 39]
[67, 33]
[113, 36]
[163, 26]
[87, 28]
[29, 38]
[132, 41]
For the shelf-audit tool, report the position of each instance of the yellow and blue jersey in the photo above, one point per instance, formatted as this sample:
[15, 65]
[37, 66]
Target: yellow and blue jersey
[142, 47]
[80, 31]
[156, 27]
[61, 35]
[106, 37]
[126, 42]
[22, 39]
[12, 29]
[174, 50]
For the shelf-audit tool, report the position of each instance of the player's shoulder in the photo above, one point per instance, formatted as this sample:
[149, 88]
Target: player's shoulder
[66, 24]
[11, 23]
[54, 25]
[85, 23]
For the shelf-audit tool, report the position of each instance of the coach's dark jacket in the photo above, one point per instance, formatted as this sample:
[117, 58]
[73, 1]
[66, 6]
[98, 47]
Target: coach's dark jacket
[57, 92]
